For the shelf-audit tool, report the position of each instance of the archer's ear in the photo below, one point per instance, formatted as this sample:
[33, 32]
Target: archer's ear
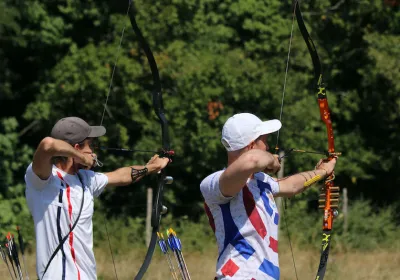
[251, 145]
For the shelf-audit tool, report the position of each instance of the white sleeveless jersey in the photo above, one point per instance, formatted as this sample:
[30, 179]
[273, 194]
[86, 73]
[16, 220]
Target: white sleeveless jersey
[54, 204]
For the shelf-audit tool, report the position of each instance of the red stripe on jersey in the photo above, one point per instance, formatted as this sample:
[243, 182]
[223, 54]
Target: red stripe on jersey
[252, 212]
[71, 234]
[210, 217]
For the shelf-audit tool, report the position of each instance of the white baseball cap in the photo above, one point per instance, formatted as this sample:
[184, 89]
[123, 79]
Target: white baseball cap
[240, 129]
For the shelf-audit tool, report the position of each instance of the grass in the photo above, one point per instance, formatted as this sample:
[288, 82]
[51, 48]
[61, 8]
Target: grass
[355, 265]
[377, 265]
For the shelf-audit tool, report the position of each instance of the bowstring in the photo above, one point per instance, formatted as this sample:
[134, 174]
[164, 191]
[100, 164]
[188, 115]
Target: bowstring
[115, 64]
[277, 137]
[102, 119]
[286, 75]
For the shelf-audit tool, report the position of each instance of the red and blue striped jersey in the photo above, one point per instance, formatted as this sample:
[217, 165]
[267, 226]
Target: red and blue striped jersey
[245, 226]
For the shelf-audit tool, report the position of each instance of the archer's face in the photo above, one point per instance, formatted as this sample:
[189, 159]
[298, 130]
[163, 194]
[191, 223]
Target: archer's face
[86, 146]
[261, 143]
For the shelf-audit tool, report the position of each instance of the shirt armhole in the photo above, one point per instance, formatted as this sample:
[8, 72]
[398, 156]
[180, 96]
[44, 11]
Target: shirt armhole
[34, 181]
[211, 191]
[274, 183]
[275, 187]
[100, 181]
[221, 195]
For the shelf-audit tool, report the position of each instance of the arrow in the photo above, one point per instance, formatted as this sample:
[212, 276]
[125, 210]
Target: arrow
[3, 256]
[161, 153]
[175, 244]
[22, 248]
[14, 253]
[164, 249]
[327, 154]
[9, 253]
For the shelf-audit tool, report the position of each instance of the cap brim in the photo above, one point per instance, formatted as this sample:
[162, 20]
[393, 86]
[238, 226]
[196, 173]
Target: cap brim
[270, 126]
[97, 131]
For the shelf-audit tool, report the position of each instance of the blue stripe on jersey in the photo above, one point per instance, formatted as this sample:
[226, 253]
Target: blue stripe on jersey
[60, 196]
[276, 219]
[260, 174]
[262, 186]
[232, 234]
[269, 268]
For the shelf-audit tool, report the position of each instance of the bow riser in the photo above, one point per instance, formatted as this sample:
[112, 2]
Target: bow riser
[328, 211]
[326, 118]
[158, 206]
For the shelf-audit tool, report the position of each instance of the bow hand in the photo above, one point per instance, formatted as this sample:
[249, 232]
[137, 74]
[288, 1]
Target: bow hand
[156, 164]
[327, 165]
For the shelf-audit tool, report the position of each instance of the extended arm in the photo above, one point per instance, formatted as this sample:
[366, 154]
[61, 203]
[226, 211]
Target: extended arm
[234, 178]
[297, 183]
[131, 174]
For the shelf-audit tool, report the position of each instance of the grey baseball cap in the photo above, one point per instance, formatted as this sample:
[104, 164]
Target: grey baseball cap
[74, 130]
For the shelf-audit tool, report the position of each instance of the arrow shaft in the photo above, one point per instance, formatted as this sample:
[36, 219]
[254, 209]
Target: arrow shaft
[22, 248]
[185, 269]
[180, 266]
[171, 266]
[26, 269]
[16, 259]
[14, 254]
[4, 257]
[127, 150]
[11, 261]
[165, 251]
[9, 270]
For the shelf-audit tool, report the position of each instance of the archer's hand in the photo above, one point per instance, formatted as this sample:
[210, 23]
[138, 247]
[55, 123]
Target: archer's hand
[86, 159]
[327, 165]
[156, 163]
[274, 167]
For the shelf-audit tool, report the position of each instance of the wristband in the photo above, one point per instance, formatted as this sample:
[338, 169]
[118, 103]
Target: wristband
[136, 173]
[312, 181]
[315, 179]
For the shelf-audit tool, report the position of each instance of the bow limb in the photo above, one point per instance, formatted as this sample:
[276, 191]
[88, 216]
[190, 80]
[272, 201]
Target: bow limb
[329, 194]
[158, 106]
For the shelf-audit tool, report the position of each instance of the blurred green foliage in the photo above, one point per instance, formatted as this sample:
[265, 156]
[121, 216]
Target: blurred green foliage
[57, 57]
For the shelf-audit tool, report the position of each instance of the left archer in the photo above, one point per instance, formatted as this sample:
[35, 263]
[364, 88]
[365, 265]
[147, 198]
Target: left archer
[60, 187]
